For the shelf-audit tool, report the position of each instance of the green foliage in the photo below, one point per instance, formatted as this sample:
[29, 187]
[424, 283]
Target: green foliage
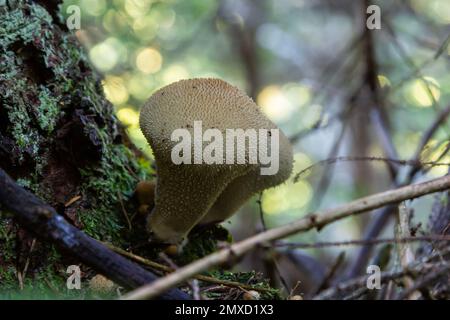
[251, 278]
[48, 110]
[202, 243]
[7, 239]
[116, 174]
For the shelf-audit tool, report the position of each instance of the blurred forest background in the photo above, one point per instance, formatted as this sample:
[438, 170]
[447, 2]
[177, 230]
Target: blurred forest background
[335, 88]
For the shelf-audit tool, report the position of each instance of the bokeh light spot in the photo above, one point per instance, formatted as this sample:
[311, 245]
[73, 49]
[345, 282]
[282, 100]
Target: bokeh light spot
[140, 86]
[383, 81]
[138, 138]
[93, 8]
[297, 94]
[128, 116]
[106, 54]
[421, 92]
[174, 73]
[115, 90]
[149, 60]
[289, 195]
[137, 8]
[274, 103]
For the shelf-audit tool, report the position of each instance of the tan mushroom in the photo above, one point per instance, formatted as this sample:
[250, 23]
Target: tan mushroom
[101, 284]
[189, 194]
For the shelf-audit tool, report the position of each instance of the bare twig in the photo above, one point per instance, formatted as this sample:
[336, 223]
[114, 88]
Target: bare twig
[426, 280]
[381, 216]
[359, 283]
[193, 284]
[27, 263]
[261, 212]
[72, 201]
[363, 242]
[325, 179]
[164, 268]
[413, 162]
[124, 211]
[330, 274]
[385, 140]
[318, 220]
[405, 253]
[440, 119]
[271, 258]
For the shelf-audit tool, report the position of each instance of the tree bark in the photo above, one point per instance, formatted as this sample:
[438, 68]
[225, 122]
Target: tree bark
[59, 139]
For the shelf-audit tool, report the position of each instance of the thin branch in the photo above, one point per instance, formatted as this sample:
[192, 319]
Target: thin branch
[261, 212]
[383, 215]
[271, 257]
[369, 158]
[325, 179]
[414, 270]
[385, 138]
[442, 48]
[164, 268]
[330, 274]
[428, 134]
[425, 281]
[362, 242]
[124, 211]
[405, 253]
[411, 64]
[317, 220]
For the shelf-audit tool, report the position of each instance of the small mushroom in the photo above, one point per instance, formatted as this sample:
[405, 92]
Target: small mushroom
[171, 250]
[101, 284]
[251, 295]
[145, 192]
[143, 210]
[191, 194]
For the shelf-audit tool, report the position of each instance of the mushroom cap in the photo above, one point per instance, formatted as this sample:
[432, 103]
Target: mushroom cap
[101, 284]
[145, 192]
[187, 194]
[215, 102]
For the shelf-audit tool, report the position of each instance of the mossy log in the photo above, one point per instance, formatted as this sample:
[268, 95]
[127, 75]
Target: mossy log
[59, 138]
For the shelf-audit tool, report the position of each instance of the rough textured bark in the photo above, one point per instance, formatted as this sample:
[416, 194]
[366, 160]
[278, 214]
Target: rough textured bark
[59, 139]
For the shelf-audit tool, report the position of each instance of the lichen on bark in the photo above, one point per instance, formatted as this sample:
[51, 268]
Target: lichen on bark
[58, 138]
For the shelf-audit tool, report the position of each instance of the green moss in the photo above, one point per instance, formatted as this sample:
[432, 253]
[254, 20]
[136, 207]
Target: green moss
[48, 282]
[42, 285]
[19, 26]
[7, 239]
[48, 110]
[27, 138]
[105, 220]
[250, 278]
[40, 69]
[8, 278]
[202, 243]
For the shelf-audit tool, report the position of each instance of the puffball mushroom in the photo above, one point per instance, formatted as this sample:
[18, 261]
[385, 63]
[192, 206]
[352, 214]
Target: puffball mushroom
[191, 194]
